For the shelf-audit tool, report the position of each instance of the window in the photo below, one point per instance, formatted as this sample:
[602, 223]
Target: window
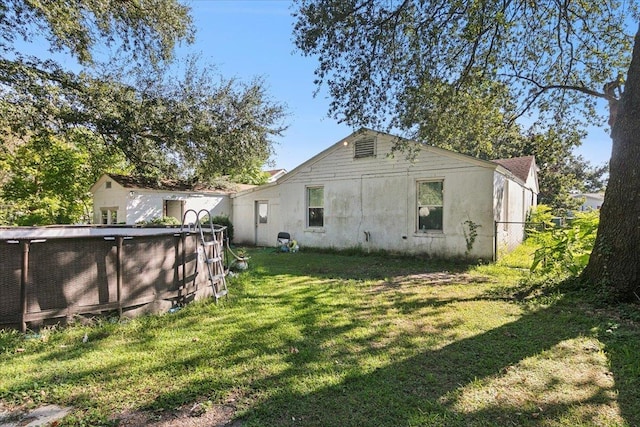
[107, 184]
[263, 209]
[315, 206]
[109, 215]
[363, 148]
[430, 205]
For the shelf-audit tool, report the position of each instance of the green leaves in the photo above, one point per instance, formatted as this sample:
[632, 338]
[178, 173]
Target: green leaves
[561, 172]
[459, 75]
[48, 183]
[380, 59]
[48, 177]
[146, 30]
[61, 129]
[472, 120]
[195, 125]
[567, 248]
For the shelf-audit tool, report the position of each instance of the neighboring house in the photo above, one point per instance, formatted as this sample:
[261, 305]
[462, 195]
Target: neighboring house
[275, 174]
[120, 199]
[356, 194]
[591, 201]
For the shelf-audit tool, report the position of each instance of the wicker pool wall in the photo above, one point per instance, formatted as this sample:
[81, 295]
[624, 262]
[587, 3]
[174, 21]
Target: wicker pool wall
[123, 271]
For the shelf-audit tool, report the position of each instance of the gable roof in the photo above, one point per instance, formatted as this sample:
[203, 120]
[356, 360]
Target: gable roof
[146, 183]
[274, 174]
[519, 166]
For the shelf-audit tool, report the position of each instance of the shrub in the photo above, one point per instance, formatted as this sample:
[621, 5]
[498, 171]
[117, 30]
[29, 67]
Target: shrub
[566, 248]
[222, 220]
[165, 220]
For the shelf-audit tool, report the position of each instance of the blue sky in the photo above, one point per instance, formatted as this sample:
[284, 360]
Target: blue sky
[245, 39]
[248, 38]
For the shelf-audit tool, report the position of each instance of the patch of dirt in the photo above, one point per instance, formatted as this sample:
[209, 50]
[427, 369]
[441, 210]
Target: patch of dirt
[433, 279]
[197, 415]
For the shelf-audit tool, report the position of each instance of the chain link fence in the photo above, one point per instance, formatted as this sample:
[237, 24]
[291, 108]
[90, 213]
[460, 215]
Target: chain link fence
[509, 234]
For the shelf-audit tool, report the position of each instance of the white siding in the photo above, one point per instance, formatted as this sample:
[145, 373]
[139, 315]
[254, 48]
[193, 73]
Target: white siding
[145, 205]
[591, 201]
[512, 203]
[113, 197]
[371, 202]
[137, 205]
[244, 219]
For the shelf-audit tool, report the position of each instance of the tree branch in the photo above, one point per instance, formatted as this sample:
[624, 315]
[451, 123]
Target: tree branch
[544, 88]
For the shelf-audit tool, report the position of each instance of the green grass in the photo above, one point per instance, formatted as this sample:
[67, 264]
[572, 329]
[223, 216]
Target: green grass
[330, 339]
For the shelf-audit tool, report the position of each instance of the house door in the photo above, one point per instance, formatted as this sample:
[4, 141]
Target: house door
[262, 224]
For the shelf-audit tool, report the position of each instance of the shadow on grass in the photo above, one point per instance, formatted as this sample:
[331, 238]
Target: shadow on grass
[423, 389]
[346, 266]
[426, 387]
[622, 344]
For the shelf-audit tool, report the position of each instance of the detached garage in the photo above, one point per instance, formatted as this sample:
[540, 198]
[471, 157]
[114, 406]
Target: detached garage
[121, 199]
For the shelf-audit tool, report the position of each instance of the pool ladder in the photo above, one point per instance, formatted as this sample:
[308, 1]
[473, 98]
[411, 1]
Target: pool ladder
[209, 251]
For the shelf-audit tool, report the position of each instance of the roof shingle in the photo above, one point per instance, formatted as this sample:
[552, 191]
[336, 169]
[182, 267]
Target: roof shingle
[146, 183]
[519, 166]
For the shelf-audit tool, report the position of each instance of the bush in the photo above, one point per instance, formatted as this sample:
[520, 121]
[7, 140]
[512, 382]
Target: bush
[566, 249]
[222, 220]
[541, 215]
[165, 220]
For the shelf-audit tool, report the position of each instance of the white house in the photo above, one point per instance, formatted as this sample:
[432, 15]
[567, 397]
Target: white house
[591, 201]
[356, 194]
[120, 199]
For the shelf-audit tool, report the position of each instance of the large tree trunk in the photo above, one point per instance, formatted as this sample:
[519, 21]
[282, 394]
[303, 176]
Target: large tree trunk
[614, 265]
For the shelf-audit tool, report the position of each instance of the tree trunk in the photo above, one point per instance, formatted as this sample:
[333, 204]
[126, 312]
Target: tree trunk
[614, 266]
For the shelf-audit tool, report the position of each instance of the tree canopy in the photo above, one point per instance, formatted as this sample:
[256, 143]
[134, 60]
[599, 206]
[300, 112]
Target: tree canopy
[48, 178]
[406, 64]
[378, 57]
[198, 125]
[561, 172]
[146, 30]
[166, 119]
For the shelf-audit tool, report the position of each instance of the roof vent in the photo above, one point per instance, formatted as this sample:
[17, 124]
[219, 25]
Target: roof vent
[365, 147]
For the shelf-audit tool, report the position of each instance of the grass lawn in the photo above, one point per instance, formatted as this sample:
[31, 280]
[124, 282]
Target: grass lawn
[325, 339]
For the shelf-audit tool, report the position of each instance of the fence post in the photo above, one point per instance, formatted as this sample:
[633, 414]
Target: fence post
[24, 277]
[495, 241]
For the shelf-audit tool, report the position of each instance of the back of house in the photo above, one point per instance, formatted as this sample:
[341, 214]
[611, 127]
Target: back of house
[358, 194]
